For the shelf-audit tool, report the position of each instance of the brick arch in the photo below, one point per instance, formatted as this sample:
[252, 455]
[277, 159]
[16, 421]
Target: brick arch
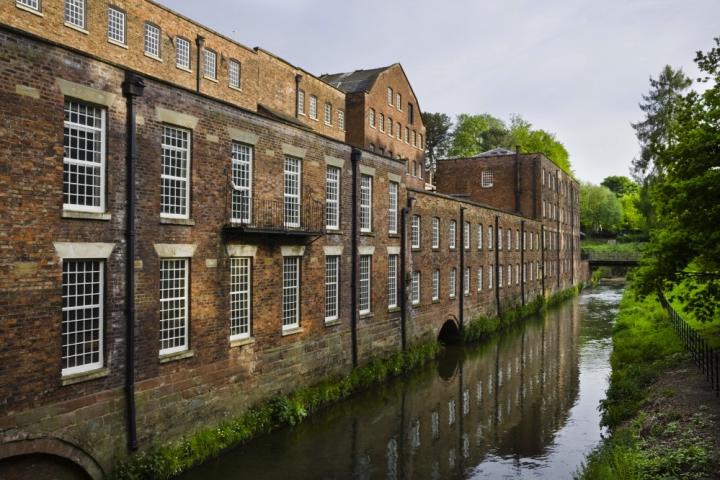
[53, 447]
[448, 329]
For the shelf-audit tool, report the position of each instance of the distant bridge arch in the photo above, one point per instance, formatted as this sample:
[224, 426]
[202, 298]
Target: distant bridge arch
[450, 331]
[612, 259]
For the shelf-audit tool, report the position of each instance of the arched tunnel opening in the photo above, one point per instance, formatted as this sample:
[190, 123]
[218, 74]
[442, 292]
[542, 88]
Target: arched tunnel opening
[450, 333]
[40, 466]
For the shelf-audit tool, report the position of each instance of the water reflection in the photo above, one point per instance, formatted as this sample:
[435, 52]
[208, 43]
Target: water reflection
[522, 406]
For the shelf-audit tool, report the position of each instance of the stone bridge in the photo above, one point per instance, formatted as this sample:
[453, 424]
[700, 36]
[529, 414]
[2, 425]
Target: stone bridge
[612, 259]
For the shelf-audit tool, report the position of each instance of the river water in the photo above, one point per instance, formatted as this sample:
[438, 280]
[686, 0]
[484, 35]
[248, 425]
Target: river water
[523, 405]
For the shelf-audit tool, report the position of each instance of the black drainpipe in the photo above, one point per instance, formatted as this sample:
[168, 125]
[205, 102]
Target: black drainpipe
[132, 87]
[355, 156]
[522, 261]
[404, 214]
[199, 41]
[497, 265]
[298, 77]
[461, 315]
[542, 257]
[534, 189]
[517, 178]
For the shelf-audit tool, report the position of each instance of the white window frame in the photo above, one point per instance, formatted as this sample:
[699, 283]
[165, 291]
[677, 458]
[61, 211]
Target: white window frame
[234, 74]
[466, 281]
[390, 95]
[393, 266]
[68, 310]
[332, 197]
[435, 232]
[491, 285]
[480, 236]
[341, 119]
[509, 240]
[517, 240]
[365, 285]
[452, 235]
[366, 182]
[332, 288]
[466, 235]
[480, 279]
[415, 288]
[415, 231]
[169, 304]
[117, 26]
[393, 196]
[509, 274]
[452, 283]
[152, 38]
[435, 285]
[75, 13]
[33, 5]
[291, 292]
[500, 238]
[242, 175]
[371, 117]
[166, 179]
[183, 52]
[381, 122]
[328, 114]
[301, 102]
[313, 107]
[490, 237]
[292, 201]
[517, 274]
[486, 179]
[398, 101]
[240, 298]
[210, 64]
[500, 276]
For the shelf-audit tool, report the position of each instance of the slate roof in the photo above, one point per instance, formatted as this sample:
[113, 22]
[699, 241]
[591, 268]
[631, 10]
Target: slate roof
[352, 82]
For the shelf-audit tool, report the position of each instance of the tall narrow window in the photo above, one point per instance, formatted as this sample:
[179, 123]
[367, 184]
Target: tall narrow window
[509, 239]
[116, 25]
[398, 101]
[152, 40]
[291, 210]
[480, 278]
[509, 275]
[239, 297]
[524, 244]
[242, 159]
[393, 188]
[84, 157]
[466, 235]
[234, 74]
[393, 280]
[500, 238]
[182, 53]
[500, 276]
[415, 233]
[75, 13]
[82, 316]
[407, 135]
[390, 127]
[490, 276]
[175, 175]
[452, 282]
[332, 198]
[313, 107]
[435, 232]
[466, 281]
[301, 102]
[436, 285]
[415, 288]
[490, 237]
[291, 293]
[210, 64]
[381, 122]
[517, 239]
[328, 114]
[480, 237]
[341, 119]
[411, 114]
[517, 274]
[32, 4]
[332, 287]
[364, 291]
[365, 203]
[371, 117]
[390, 96]
[173, 305]
[452, 234]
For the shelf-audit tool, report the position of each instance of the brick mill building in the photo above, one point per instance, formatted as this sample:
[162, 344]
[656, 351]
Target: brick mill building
[190, 226]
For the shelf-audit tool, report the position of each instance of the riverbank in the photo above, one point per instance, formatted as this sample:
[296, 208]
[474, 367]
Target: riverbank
[663, 417]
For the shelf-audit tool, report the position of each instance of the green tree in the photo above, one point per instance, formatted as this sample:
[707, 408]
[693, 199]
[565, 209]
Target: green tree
[620, 185]
[633, 218]
[522, 134]
[474, 134]
[600, 209]
[437, 137]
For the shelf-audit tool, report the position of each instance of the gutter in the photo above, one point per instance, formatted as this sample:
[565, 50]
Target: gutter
[355, 157]
[404, 214]
[199, 42]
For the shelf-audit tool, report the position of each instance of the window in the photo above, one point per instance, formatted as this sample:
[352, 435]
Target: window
[242, 160]
[500, 276]
[399, 131]
[371, 117]
[175, 175]
[82, 315]
[490, 276]
[332, 287]
[398, 101]
[517, 274]
[393, 188]
[210, 65]
[420, 141]
[466, 281]
[509, 239]
[490, 237]
[84, 157]
[537, 270]
[390, 127]
[407, 134]
[509, 275]
[452, 235]
[301, 102]
[291, 293]
[524, 272]
[234, 73]
[182, 53]
[500, 238]
[451, 282]
[415, 288]
[313, 107]
[390, 96]
[436, 285]
[414, 138]
[524, 247]
[116, 25]
[328, 114]
[381, 122]
[364, 296]
[479, 237]
[466, 235]
[435, 232]
[75, 13]
[32, 4]
[152, 40]
[415, 232]
[486, 179]
[393, 261]
[341, 119]
[411, 114]
[239, 297]
[517, 239]
[332, 198]
[292, 192]
[479, 278]
[173, 305]
[365, 203]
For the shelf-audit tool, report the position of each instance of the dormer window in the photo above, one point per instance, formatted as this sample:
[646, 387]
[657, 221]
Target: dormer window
[486, 179]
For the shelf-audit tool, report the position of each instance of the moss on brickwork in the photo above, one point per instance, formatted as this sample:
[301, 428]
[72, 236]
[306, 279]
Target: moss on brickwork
[167, 460]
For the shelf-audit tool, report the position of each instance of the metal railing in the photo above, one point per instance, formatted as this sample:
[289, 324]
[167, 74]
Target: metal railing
[705, 357]
[617, 257]
[276, 215]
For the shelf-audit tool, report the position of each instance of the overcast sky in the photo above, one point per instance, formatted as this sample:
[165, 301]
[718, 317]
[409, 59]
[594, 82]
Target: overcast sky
[574, 67]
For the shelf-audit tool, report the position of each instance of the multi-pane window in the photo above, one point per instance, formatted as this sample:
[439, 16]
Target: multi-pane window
[328, 114]
[332, 287]
[390, 126]
[436, 284]
[364, 291]
[466, 235]
[393, 261]
[371, 117]
[435, 232]
[182, 53]
[509, 239]
[210, 64]
[234, 73]
[390, 96]
[291, 293]
[399, 131]
[381, 122]
[301, 102]
[75, 13]
[415, 288]
[398, 101]
[242, 160]
[173, 305]
[332, 198]
[33, 4]
[84, 157]
[341, 119]
[509, 275]
[486, 178]
[452, 234]
[490, 237]
[239, 297]
[452, 282]
[490, 277]
[414, 138]
[175, 174]
[313, 107]
[500, 238]
[82, 316]
[415, 232]
[291, 195]
[500, 276]
[517, 274]
[466, 281]
[407, 134]
[393, 188]
[152, 40]
[116, 25]
[517, 239]
[479, 278]
[365, 203]
[480, 237]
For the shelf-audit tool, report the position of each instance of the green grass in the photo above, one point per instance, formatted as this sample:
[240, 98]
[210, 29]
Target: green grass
[604, 247]
[709, 330]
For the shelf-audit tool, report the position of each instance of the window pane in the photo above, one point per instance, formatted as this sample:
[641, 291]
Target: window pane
[332, 275]
[239, 298]
[175, 173]
[291, 292]
[75, 12]
[332, 198]
[152, 40]
[84, 157]
[291, 209]
[242, 158]
[173, 305]
[82, 315]
[116, 25]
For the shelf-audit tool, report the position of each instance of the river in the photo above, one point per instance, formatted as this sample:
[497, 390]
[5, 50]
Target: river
[524, 405]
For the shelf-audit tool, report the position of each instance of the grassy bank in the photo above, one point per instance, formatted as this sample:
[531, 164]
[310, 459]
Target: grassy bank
[649, 438]
[167, 460]
[605, 247]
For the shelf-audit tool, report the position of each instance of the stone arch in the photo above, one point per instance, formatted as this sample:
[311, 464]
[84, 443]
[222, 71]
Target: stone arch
[50, 447]
[450, 331]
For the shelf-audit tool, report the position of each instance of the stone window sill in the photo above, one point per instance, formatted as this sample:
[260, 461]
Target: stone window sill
[188, 222]
[393, 309]
[85, 215]
[76, 28]
[437, 300]
[156, 58]
[29, 9]
[333, 231]
[183, 69]
[215, 80]
[366, 315]
[367, 234]
[237, 89]
[117, 44]
[393, 235]
[85, 376]
[292, 331]
[171, 357]
[332, 323]
[239, 342]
